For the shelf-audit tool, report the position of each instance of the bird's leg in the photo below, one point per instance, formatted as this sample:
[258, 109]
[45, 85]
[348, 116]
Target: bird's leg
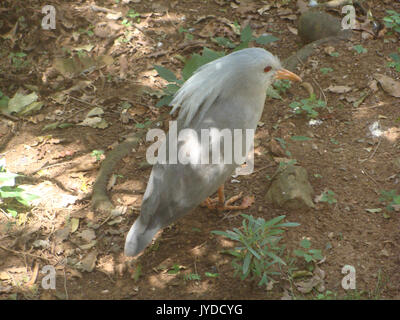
[221, 205]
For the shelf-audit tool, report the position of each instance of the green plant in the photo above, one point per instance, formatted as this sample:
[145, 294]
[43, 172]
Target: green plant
[192, 277]
[187, 33]
[327, 295]
[308, 106]
[360, 49]
[133, 15]
[97, 154]
[88, 31]
[326, 70]
[395, 63]
[258, 247]
[393, 20]
[211, 275]
[3, 100]
[284, 146]
[307, 253]
[9, 190]
[328, 196]
[391, 198]
[18, 59]
[282, 85]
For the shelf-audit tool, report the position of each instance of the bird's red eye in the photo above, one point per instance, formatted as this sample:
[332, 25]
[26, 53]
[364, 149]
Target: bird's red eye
[267, 69]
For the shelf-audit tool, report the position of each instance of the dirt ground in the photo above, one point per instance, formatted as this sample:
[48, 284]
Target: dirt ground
[342, 155]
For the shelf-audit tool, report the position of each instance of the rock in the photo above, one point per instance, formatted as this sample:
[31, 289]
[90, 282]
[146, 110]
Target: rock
[291, 189]
[315, 25]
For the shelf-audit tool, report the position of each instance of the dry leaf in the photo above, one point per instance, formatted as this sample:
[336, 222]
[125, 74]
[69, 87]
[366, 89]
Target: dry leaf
[391, 86]
[339, 89]
[293, 30]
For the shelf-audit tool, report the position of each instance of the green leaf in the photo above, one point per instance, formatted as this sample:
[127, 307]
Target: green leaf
[395, 57]
[271, 92]
[8, 176]
[305, 243]
[265, 39]
[360, 49]
[20, 101]
[211, 275]
[191, 66]
[246, 263]
[224, 42]
[165, 73]
[274, 220]
[246, 34]
[210, 55]
[300, 138]
[164, 101]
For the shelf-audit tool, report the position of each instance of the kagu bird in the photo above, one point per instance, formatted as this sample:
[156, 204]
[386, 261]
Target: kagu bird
[227, 93]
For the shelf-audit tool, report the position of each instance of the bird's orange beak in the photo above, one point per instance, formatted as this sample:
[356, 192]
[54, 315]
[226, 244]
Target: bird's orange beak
[286, 74]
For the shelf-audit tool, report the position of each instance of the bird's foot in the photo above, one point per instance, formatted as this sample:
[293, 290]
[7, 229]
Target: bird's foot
[220, 206]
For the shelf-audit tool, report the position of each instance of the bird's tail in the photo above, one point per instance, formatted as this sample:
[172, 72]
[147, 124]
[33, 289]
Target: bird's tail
[139, 236]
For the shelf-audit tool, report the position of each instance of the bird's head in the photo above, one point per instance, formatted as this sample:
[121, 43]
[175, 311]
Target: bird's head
[245, 72]
[259, 67]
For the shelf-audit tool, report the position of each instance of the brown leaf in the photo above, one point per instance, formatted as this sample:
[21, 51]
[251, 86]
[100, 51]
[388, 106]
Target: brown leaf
[339, 89]
[391, 86]
[209, 30]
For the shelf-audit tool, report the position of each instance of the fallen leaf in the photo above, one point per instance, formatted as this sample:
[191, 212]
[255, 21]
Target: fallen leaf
[88, 235]
[391, 86]
[293, 30]
[338, 89]
[89, 262]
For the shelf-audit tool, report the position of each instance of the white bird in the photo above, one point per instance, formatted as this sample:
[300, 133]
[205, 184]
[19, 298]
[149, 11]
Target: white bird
[227, 93]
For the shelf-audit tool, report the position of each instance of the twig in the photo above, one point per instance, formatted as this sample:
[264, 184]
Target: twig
[379, 143]
[322, 91]
[25, 254]
[83, 101]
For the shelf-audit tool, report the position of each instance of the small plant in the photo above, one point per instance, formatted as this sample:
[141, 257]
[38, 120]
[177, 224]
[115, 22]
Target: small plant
[360, 49]
[329, 197]
[307, 253]
[3, 100]
[144, 125]
[326, 70]
[188, 35]
[97, 154]
[88, 31]
[192, 277]
[308, 106]
[133, 15]
[395, 63]
[9, 190]
[18, 59]
[392, 21]
[174, 269]
[258, 247]
[284, 146]
[334, 54]
[327, 295]
[211, 275]
[282, 85]
[391, 198]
